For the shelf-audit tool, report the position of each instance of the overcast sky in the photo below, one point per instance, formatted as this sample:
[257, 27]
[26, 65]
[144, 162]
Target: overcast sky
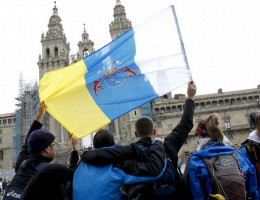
[221, 38]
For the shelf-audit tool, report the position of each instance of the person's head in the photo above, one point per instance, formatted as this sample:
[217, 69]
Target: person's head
[202, 135]
[201, 130]
[144, 127]
[257, 122]
[207, 131]
[252, 120]
[103, 138]
[42, 142]
[213, 129]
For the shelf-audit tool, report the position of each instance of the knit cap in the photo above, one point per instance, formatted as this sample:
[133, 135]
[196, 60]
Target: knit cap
[39, 140]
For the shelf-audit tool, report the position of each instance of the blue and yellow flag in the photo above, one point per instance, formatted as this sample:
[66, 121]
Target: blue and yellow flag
[142, 64]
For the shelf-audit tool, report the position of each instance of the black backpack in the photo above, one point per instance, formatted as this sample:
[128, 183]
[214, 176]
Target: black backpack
[160, 189]
[253, 151]
[15, 190]
[227, 176]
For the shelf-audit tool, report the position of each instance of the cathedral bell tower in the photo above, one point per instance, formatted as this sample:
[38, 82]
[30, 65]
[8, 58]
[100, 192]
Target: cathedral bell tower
[121, 127]
[120, 24]
[86, 46]
[55, 48]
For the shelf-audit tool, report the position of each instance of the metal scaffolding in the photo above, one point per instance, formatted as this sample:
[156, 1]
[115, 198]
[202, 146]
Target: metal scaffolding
[26, 110]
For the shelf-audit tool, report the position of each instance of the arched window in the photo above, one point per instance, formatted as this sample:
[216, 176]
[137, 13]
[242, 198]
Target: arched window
[179, 108]
[85, 53]
[227, 102]
[208, 104]
[244, 100]
[214, 103]
[56, 52]
[162, 110]
[251, 99]
[239, 101]
[233, 101]
[202, 105]
[47, 53]
[220, 103]
[168, 109]
[197, 106]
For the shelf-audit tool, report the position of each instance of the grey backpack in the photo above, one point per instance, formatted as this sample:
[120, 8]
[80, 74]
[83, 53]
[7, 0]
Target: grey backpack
[227, 176]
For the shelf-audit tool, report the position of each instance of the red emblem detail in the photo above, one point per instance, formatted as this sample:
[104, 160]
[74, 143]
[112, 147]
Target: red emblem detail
[129, 71]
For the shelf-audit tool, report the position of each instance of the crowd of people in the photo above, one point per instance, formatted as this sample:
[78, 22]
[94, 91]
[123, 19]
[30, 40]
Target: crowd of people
[146, 169]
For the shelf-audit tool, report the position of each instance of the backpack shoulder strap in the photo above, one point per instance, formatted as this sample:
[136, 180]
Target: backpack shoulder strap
[209, 162]
[216, 185]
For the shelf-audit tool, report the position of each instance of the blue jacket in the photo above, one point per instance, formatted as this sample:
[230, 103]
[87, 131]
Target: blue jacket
[200, 180]
[104, 182]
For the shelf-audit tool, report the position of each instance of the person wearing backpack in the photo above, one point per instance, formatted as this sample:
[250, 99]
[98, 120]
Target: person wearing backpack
[251, 147]
[104, 182]
[171, 185]
[218, 169]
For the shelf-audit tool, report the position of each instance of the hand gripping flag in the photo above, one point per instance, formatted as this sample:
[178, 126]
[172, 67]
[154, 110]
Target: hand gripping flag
[144, 63]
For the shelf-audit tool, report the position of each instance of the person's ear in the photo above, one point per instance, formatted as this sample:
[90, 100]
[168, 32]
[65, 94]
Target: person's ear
[154, 131]
[46, 151]
[136, 134]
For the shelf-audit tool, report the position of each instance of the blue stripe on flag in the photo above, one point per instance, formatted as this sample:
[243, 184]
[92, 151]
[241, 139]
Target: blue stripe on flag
[114, 80]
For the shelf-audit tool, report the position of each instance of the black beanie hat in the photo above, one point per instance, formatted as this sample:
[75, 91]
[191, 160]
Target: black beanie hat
[39, 140]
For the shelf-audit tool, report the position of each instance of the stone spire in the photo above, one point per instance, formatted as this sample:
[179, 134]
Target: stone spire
[55, 48]
[84, 35]
[86, 46]
[120, 24]
[55, 26]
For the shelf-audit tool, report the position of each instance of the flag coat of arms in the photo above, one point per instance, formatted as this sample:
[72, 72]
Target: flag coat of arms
[144, 63]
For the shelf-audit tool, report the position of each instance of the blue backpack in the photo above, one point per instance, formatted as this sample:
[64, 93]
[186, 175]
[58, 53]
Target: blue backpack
[15, 191]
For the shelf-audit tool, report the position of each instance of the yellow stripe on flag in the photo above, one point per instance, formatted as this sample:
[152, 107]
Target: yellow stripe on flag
[68, 100]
